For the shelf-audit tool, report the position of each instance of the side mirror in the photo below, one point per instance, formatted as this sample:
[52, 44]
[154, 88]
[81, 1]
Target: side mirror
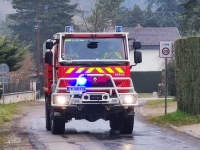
[92, 45]
[48, 57]
[137, 57]
[136, 45]
[49, 45]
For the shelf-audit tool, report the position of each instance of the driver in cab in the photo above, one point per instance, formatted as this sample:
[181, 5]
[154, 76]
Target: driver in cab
[71, 54]
[112, 53]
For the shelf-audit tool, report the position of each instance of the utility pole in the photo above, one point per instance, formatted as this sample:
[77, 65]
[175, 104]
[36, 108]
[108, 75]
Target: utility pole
[38, 38]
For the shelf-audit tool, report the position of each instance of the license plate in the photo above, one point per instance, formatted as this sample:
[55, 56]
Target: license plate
[76, 89]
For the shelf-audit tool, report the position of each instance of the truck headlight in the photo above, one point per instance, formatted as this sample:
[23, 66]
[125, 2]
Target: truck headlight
[59, 99]
[129, 99]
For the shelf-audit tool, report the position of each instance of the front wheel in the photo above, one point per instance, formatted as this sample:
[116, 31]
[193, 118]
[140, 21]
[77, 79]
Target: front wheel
[126, 125]
[57, 125]
[47, 112]
[114, 121]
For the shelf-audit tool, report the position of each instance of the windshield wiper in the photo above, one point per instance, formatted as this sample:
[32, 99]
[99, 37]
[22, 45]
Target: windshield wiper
[97, 63]
[109, 63]
[75, 64]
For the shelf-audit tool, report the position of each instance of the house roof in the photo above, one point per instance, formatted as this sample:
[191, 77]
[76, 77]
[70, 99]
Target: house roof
[153, 35]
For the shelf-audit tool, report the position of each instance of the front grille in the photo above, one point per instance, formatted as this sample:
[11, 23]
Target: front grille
[94, 102]
[95, 97]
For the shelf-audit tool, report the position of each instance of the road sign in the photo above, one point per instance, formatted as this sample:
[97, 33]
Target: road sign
[4, 68]
[3, 74]
[3, 80]
[166, 48]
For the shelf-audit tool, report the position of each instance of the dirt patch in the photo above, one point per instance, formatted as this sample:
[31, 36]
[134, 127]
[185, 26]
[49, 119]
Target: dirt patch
[14, 134]
[157, 110]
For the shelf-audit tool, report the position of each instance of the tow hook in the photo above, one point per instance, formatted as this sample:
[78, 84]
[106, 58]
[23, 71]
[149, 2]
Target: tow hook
[79, 107]
[107, 107]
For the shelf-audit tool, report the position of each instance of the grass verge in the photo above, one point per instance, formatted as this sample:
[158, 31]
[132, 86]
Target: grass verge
[6, 114]
[159, 102]
[144, 95]
[2, 139]
[176, 118]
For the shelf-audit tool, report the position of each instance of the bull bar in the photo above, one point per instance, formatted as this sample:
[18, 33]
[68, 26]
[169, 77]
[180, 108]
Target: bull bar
[117, 100]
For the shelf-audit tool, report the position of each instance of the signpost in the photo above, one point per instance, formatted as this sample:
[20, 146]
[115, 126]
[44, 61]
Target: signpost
[166, 48]
[4, 69]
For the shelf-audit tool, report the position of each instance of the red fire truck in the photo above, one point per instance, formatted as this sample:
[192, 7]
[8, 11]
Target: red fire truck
[87, 76]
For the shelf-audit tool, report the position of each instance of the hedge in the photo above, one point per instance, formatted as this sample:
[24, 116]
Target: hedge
[187, 74]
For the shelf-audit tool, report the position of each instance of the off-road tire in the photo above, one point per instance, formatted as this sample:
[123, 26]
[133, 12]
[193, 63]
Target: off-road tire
[47, 112]
[57, 125]
[115, 122]
[126, 125]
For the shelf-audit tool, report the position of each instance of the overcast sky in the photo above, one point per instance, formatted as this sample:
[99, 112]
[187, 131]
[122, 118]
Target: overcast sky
[5, 8]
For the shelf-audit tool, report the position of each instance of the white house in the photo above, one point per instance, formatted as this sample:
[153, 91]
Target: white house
[150, 38]
[147, 75]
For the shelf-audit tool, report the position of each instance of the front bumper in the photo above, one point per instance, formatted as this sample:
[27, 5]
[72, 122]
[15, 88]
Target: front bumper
[115, 98]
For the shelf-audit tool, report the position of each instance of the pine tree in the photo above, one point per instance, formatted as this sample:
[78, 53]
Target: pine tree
[35, 21]
[103, 11]
[4, 30]
[137, 16]
[130, 17]
[12, 52]
[149, 17]
[191, 17]
[51, 16]
[167, 12]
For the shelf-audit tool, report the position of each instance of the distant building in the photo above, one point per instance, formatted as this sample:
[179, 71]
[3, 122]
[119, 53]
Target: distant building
[147, 75]
[150, 38]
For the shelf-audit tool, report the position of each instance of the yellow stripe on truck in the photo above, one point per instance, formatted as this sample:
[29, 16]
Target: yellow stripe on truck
[109, 70]
[80, 70]
[99, 70]
[89, 70]
[70, 70]
[119, 70]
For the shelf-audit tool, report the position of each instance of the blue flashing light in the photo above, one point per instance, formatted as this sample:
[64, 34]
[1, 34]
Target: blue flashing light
[118, 28]
[81, 81]
[69, 29]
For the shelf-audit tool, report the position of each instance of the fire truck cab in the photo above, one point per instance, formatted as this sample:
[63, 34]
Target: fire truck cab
[87, 76]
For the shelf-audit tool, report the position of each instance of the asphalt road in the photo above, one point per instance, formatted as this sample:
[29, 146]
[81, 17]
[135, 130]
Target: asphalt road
[29, 133]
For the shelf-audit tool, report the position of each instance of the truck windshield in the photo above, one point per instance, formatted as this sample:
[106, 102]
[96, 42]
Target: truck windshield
[106, 48]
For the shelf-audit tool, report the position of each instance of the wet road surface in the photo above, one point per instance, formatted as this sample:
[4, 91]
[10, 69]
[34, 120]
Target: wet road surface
[84, 135]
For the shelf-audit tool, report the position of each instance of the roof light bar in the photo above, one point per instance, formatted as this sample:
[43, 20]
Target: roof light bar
[118, 28]
[69, 29]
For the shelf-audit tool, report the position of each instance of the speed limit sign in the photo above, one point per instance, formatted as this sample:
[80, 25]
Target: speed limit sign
[166, 49]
